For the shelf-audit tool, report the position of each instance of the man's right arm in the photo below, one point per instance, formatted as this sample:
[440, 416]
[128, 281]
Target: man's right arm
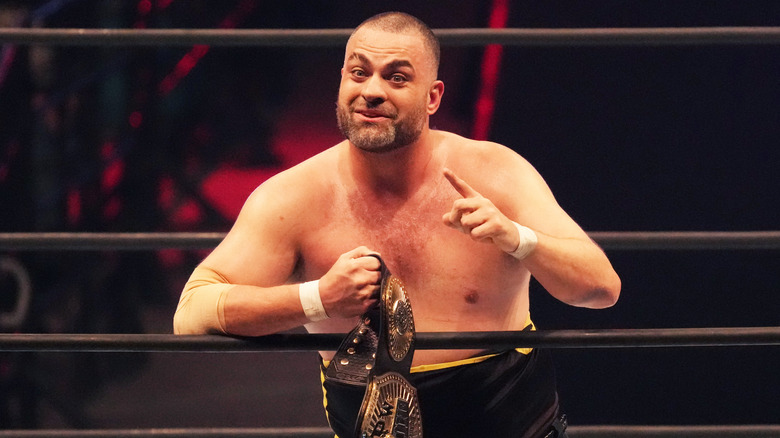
[256, 258]
[243, 287]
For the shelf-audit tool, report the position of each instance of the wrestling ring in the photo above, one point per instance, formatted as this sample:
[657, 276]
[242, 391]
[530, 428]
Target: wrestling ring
[579, 339]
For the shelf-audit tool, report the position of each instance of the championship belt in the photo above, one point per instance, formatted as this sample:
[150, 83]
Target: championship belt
[378, 353]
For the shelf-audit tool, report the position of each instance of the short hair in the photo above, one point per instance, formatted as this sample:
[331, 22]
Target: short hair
[401, 22]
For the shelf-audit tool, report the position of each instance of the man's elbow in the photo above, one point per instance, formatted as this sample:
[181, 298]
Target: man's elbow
[185, 324]
[182, 325]
[599, 294]
[605, 294]
[202, 312]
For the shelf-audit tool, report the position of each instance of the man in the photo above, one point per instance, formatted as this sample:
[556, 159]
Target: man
[464, 224]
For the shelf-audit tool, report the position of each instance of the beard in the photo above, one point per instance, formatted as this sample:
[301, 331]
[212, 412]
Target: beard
[381, 137]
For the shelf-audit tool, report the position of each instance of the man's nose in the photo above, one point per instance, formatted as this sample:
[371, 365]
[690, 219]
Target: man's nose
[373, 90]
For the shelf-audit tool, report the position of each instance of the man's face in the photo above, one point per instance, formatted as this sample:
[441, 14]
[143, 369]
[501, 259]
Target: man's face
[384, 99]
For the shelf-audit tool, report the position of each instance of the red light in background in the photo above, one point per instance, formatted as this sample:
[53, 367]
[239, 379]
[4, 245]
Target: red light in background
[491, 63]
[183, 68]
[190, 60]
[112, 175]
[144, 7]
[73, 206]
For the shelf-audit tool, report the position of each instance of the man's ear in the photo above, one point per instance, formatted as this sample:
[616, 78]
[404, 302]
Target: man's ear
[434, 96]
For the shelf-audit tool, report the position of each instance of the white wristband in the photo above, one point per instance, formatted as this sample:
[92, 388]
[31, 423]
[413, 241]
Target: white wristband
[311, 302]
[528, 241]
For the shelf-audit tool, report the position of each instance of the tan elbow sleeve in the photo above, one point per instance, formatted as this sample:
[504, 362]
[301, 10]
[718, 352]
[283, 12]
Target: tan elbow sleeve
[202, 303]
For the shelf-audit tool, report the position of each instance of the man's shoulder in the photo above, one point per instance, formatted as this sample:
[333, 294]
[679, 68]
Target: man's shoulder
[303, 182]
[311, 169]
[482, 152]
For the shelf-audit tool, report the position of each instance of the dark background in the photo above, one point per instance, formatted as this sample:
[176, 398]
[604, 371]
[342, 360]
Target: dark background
[173, 139]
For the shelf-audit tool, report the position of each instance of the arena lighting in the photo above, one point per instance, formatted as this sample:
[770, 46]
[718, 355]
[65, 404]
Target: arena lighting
[490, 72]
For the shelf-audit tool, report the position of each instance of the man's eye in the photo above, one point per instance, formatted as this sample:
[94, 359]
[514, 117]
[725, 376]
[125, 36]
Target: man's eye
[398, 78]
[358, 73]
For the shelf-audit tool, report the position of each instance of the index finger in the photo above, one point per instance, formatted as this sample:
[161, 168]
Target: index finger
[460, 185]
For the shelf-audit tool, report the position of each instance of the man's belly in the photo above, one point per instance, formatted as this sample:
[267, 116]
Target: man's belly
[471, 287]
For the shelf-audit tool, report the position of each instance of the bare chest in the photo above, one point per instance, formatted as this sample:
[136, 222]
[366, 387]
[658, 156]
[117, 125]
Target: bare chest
[444, 270]
[406, 233]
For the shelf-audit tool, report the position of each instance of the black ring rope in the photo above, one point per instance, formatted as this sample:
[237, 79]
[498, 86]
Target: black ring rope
[454, 37]
[613, 240]
[621, 431]
[502, 340]
[108, 241]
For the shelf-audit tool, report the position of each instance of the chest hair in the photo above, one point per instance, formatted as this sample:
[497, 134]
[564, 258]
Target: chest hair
[403, 230]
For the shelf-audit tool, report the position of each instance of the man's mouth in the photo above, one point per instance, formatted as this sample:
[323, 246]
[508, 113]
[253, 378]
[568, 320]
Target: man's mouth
[371, 115]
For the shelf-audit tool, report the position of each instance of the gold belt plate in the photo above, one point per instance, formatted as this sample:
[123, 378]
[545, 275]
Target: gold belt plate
[391, 409]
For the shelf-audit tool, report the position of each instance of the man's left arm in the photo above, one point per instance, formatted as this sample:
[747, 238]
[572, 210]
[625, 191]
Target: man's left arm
[557, 252]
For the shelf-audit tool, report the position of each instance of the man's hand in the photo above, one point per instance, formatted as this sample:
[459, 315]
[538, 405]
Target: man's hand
[476, 216]
[351, 286]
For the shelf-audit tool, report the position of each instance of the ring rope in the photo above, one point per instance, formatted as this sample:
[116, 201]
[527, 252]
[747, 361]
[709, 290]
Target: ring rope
[612, 240]
[503, 340]
[106, 241]
[621, 431]
[453, 37]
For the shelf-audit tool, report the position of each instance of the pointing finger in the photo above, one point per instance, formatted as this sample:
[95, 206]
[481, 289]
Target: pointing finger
[460, 185]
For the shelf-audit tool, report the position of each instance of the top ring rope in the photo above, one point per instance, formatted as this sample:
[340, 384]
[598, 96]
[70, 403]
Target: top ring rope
[451, 37]
[610, 240]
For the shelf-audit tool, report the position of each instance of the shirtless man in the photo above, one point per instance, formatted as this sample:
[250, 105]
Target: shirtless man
[443, 213]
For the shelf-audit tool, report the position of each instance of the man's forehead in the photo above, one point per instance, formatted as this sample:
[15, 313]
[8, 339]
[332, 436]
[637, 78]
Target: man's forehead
[390, 61]
[368, 42]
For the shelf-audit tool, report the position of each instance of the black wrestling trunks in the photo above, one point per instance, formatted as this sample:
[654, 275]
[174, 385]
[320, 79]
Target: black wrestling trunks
[511, 394]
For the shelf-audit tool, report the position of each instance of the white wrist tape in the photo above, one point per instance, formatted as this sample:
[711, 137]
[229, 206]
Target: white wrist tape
[311, 302]
[528, 241]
